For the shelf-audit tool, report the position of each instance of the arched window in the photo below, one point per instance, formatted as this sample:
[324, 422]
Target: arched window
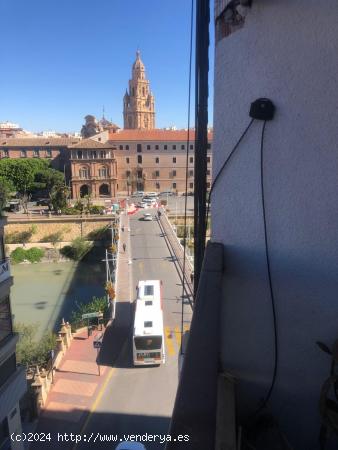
[84, 172]
[103, 172]
[143, 92]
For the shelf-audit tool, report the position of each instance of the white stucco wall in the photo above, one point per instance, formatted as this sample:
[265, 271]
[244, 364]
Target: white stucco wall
[287, 51]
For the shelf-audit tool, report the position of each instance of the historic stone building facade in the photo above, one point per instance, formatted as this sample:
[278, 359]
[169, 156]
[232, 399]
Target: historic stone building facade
[93, 168]
[138, 102]
[55, 149]
[155, 160]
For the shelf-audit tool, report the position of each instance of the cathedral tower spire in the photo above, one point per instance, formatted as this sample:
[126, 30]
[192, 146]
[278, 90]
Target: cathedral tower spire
[138, 101]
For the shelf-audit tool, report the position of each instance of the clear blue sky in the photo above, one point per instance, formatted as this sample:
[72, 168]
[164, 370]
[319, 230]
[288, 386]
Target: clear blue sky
[63, 59]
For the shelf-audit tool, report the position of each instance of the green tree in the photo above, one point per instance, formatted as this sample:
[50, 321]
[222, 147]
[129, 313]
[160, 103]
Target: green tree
[4, 195]
[29, 352]
[59, 196]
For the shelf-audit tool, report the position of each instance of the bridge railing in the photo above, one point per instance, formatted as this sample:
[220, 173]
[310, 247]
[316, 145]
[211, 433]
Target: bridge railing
[177, 251]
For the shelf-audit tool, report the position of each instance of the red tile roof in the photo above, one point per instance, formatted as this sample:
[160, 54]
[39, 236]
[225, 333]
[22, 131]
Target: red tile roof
[37, 142]
[155, 135]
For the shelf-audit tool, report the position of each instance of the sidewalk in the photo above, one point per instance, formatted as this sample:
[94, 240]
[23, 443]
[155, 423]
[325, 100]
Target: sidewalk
[77, 385]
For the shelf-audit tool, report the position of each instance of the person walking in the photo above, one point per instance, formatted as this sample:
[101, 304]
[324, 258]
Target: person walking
[124, 247]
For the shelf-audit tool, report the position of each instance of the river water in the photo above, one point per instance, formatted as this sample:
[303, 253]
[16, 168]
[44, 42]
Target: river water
[44, 293]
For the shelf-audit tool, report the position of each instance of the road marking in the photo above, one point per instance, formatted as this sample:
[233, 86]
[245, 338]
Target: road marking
[96, 402]
[169, 341]
[178, 336]
[141, 267]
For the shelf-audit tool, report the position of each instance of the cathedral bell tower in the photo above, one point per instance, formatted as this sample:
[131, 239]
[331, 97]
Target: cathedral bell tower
[139, 103]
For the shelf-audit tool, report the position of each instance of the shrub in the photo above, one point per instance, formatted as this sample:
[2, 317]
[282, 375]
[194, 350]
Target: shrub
[30, 352]
[97, 304]
[99, 233]
[77, 250]
[34, 254]
[53, 238]
[18, 255]
[96, 209]
[71, 211]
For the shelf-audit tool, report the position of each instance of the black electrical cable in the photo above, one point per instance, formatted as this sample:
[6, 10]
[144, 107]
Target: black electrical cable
[272, 297]
[222, 168]
[267, 254]
[186, 175]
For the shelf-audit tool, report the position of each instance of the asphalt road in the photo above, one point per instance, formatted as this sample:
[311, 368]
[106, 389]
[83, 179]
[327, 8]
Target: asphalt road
[140, 400]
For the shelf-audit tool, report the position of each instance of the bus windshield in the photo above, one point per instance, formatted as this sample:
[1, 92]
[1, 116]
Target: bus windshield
[148, 342]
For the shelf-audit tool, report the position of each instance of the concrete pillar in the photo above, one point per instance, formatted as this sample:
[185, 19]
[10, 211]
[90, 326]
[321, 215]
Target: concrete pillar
[60, 345]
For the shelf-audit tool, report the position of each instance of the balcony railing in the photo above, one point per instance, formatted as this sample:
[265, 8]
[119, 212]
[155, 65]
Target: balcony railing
[5, 269]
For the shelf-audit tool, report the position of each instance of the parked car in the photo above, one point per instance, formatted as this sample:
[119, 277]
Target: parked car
[148, 217]
[149, 200]
[43, 202]
[151, 194]
[142, 205]
[188, 193]
[138, 194]
[167, 193]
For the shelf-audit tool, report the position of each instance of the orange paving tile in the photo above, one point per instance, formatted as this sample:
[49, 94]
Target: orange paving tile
[75, 387]
[85, 367]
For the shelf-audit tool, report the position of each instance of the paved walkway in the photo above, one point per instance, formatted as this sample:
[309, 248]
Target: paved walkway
[77, 386]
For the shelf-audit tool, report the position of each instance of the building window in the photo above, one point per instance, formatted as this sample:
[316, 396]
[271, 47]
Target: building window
[93, 154]
[208, 172]
[121, 147]
[174, 160]
[103, 154]
[174, 173]
[49, 153]
[84, 172]
[174, 185]
[103, 172]
[208, 159]
[182, 147]
[127, 173]
[156, 147]
[157, 160]
[157, 185]
[127, 147]
[139, 159]
[127, 160]
[139, 148]
[191, 173]
[191, 185]
[191, 147]
[79, 154]
[35, 153]
[157, 173]
[209, 146]
[6, 328]
[174, 147]
[165, 147]
[148, 147]
[191, 159]
[23, 154]
[208, 185]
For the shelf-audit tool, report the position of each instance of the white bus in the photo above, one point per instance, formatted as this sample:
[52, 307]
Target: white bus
[148, 335]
